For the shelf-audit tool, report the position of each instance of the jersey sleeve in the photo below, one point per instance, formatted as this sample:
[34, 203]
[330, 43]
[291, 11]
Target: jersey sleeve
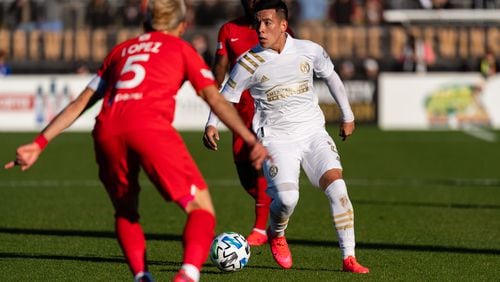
[98, 82]
[323, 66]
[197, 71]
[239, 80]
[221, 40]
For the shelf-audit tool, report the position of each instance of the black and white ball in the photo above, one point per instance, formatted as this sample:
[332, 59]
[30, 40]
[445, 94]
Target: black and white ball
[230, 251]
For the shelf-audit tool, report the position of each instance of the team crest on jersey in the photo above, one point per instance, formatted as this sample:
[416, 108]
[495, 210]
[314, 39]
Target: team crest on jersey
[305, 67]
[273, 171]
[264, 79]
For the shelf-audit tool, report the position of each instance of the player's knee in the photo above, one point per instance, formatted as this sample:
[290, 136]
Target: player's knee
[201, 201]
[184, 201]
[286, 198]
[329, 177]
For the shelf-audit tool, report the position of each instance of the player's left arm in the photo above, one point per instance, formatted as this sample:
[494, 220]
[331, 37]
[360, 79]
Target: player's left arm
[27, 155]
[338, 92]
[324, 68]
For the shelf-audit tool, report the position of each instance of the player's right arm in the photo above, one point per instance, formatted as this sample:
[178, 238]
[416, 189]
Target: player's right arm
[211, 134]
[26, 155]
[220, 69]
[229, 116]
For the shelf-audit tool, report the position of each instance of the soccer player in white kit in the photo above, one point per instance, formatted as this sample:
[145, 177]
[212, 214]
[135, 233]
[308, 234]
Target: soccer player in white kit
[290, 124]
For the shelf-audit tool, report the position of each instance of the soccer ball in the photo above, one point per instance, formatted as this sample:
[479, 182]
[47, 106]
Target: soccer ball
[230, 251]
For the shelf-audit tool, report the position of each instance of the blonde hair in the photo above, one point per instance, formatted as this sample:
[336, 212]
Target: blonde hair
[167, 14]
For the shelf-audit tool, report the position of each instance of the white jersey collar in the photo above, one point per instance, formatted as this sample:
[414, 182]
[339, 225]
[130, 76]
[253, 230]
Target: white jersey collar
[288, 45]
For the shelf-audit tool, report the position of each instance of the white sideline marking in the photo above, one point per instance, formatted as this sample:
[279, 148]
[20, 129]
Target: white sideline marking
[480, 133]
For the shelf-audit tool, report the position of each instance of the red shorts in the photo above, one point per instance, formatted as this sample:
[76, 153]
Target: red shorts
[161, 153]
[246, 110]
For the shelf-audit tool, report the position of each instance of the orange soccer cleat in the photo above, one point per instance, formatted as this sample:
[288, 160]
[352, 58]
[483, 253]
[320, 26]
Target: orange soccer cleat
[351, 265]
[255, 238]
[281, 252]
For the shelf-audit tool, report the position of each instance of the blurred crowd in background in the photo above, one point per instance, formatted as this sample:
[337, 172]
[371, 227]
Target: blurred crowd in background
[59, 14]
[205, 16]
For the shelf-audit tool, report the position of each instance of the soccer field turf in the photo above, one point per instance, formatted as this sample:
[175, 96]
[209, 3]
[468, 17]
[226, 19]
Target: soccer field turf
[427, 207]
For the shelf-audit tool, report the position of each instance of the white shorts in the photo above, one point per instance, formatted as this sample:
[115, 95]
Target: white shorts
[316, 153]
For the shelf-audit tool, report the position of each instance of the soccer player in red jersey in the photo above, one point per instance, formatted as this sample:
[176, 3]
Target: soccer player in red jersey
[138, 81]
[235, 38]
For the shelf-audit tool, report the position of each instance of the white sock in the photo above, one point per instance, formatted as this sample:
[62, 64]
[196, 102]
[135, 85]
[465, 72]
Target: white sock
[343, 216]
[261, 231]
[192, 271]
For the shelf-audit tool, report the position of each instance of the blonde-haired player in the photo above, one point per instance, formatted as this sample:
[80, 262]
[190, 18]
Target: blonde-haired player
[138, 82]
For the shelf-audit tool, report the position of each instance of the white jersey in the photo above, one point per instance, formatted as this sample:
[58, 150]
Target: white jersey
[282, 87]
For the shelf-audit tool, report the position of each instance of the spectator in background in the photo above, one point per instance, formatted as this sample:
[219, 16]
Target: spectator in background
[342, 11]
[4, 67]
[347, 70]
[51, 15]
[200, 44]
[210, 12]
[98, 14]
[417, 55]
[313, 10]
[488, 64]
[485, 4]
[23, 14]
[131, 14]
[312, 16]
[373, 12]
[371, 69]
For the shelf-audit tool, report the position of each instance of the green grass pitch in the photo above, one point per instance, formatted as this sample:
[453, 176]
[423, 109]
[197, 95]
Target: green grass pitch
[427, 207]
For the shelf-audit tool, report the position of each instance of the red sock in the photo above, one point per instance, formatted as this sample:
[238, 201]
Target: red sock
[197, 238]
[133, 244]
[262, 203]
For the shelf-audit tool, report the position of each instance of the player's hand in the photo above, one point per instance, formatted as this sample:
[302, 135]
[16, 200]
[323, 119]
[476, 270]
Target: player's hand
[210, 137]
[258, 154]
[346, 129]
[26, 156]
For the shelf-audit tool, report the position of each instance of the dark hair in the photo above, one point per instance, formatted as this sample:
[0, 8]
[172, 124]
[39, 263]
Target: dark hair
[277, 5]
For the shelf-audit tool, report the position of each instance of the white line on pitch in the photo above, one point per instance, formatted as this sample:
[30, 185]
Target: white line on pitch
[480, 133]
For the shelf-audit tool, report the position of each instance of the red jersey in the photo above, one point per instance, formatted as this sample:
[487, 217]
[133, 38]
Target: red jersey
[140, 79]
[235, 38]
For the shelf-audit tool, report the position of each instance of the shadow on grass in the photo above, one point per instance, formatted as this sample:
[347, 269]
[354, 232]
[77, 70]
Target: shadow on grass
[5, 255]
[312, 243]
[172, 267]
